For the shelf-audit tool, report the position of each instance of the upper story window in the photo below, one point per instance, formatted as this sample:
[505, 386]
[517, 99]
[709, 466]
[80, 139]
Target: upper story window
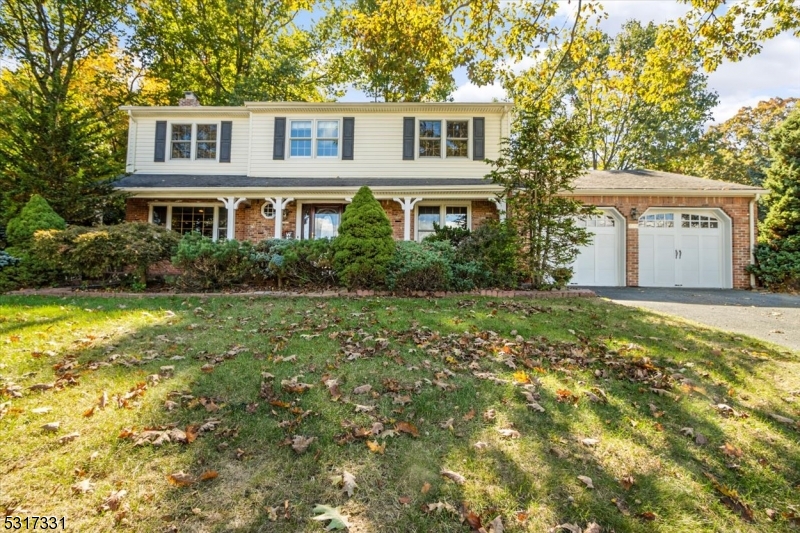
[205, 141]
[456, 139]
[181, 141]
[307, 139]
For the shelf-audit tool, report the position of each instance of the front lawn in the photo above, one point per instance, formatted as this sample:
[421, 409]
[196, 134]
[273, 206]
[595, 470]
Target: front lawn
[244, 413]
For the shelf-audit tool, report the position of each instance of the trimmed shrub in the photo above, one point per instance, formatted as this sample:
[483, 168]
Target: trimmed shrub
[7, 260]
[109, 254]
[300, 263]
[419, 267]
[778, 266]
[36, 215]
[493, 246]
[445, 233]
[365, 245]
[208, 264]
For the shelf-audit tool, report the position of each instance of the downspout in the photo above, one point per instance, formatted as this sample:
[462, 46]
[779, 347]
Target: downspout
[753, 216]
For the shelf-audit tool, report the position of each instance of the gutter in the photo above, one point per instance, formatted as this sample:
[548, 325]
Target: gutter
[753, 217]
[667, 192]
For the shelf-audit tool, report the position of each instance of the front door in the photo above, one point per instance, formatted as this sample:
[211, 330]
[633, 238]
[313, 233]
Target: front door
[321, 221]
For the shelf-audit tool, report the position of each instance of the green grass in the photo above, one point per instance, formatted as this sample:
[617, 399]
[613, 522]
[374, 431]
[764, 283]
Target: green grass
[432, 351]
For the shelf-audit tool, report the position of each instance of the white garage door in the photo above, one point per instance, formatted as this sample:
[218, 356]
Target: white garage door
[681, 249]
[598, 264]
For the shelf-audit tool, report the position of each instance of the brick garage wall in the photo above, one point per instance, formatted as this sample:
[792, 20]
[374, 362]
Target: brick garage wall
[737, 208]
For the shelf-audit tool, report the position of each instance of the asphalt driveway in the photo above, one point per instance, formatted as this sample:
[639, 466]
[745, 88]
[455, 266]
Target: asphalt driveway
[770, 317]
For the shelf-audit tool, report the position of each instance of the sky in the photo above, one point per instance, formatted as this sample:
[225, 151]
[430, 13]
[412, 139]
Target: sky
[773, 72]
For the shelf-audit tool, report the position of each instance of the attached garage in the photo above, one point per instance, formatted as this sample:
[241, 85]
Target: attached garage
[601, 263]
[659, 229]
[685, 248]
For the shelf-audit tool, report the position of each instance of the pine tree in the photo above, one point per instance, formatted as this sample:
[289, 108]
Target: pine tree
[36, 215]
[365, 245]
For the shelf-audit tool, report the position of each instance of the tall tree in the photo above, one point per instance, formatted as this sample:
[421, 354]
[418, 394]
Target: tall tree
[738, 149]
[537, 165]
[230, 51]
[778, 251]
[632, 123]
[52, 145]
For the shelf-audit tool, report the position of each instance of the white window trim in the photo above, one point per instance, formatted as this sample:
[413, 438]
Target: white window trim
[442, 205]
[314, 138]
[443, 140]
[170, 205]
[193, 141]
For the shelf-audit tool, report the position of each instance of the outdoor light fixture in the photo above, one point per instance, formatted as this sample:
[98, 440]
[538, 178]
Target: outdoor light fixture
[634, 213]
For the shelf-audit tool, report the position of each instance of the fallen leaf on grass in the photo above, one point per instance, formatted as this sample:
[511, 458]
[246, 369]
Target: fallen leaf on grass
[621, 506]
[536, 407]
[730, 450]
[454, 476]
[348, 482]
[447, 424]
[374, 447]
[592, 528]
[647, 515]
[469, 416]
[407, 427]
[700, 439]
[473, 520]
[425, 488]
[405, 500]
[689, 432]
[782, 419]
[83, 486]
[207, 368]
[627, 482]
[41, 410]
[181, 479]
[731, 498]
[590, 442]
[496, 526]
[587, 481]
[208, 475]
[52, 427]
[364, 408]
[490, 415]
[113, 501]
[300, 443]
[325, 512]
[509, 433]
[572, 528]
[441, 506]
[69, 438]
[89, 412]
[363, 389]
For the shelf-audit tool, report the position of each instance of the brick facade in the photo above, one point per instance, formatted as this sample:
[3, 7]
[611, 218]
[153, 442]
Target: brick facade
[738, 208]
[252, 226]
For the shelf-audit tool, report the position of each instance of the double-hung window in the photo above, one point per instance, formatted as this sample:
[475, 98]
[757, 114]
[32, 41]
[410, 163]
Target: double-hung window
[193, 141]
[450, 216]
[455, 139]
[314, 138]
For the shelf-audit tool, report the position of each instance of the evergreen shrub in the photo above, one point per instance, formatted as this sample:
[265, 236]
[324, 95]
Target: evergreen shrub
[207, 264]
[365, 245]
[298, 263]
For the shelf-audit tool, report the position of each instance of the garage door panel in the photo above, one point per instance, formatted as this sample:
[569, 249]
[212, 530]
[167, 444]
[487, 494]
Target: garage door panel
[606, 254]
[688, 253]
[597, 263]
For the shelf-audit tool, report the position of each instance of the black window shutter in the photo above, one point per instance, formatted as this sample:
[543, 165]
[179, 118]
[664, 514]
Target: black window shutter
[161, 141]
[348, 137]
[279, 142]
[478, 139]
[225, 142]
[408, 138]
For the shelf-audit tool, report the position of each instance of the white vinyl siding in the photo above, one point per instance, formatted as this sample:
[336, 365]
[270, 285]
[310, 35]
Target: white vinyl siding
[377, 148]
[142, 142]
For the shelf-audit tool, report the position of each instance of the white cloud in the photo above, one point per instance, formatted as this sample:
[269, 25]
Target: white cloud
[469, 92]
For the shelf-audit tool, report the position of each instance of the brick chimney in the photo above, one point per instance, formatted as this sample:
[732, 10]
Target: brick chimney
[189, 100]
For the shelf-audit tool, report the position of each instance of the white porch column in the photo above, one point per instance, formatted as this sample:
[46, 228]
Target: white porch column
[407, 204]
[501, 206]
[231, 203]
[279, 203]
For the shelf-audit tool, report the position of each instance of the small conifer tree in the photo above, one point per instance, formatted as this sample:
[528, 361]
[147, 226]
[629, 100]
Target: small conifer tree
[36, 215]
[365, 245]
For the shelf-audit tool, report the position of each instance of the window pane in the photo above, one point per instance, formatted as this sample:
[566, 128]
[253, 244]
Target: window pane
[206, 150]
[326, 222]
[206, 132]
[430, 128]
[328, 129]
[181, 150]
[427, 216]
[189, 219]
[301, 148]
[181, 132]
[457, 148]
[301, 129]
[456, 217]
[160, 215]
[222, 223]
[329, 148]
[429, 148]
[457, 129]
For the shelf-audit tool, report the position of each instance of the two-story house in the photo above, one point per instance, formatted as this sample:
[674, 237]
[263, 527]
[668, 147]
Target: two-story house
[289, 169]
